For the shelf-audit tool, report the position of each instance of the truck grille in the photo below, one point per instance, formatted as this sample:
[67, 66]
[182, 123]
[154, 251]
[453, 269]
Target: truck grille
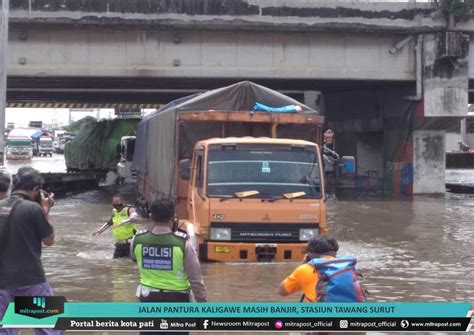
[266, 232]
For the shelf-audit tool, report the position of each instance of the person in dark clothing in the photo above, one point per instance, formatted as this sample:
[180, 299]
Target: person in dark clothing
[167, 261]
[24, 227]
[5, 181]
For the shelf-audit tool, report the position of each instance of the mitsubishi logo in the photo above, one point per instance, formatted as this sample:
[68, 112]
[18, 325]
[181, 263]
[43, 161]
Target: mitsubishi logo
[266, 217]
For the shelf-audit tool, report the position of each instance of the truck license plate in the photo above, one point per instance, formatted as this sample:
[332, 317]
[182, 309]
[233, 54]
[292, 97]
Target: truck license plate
[221, 249]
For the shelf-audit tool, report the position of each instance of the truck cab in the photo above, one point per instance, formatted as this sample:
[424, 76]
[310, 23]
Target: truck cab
[254, 199]
[19, 148]
[125, 151]
[45, 146]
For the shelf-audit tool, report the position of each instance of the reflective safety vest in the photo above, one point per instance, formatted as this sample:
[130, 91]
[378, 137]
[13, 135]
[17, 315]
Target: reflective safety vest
[125, 231]
[160, 260]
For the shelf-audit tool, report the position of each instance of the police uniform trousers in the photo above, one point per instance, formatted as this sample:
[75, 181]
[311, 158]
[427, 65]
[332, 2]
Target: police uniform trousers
[165, 297]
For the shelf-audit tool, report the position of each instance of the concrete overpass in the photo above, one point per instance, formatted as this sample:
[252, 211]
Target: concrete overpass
[387, 102]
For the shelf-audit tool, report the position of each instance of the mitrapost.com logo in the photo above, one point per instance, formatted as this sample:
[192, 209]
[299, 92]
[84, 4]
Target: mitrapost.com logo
[39, 307]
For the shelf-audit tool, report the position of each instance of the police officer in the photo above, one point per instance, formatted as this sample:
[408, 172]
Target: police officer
[167, 261]
[122, 228]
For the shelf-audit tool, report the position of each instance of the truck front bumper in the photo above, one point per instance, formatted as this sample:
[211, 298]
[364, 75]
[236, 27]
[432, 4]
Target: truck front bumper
[251, 252]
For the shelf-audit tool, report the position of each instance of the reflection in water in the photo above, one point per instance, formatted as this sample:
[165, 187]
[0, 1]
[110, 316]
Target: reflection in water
[55, 163]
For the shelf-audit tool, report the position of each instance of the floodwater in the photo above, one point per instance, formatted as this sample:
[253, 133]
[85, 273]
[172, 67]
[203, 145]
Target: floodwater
[417, 249]
[409, 249]
[55, 163]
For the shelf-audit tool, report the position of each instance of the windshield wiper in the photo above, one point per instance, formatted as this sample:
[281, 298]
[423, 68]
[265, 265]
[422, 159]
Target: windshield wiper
[240, 195]
[289, 196]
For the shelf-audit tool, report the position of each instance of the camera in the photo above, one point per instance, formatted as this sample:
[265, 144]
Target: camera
[45, 195]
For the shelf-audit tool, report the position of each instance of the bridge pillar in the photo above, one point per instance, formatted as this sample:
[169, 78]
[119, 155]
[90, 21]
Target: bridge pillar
[445, 102]
[414, 143]
[397, 148]
[429, 161]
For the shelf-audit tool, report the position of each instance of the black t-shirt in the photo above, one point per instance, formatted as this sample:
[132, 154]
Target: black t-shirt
[20, 254]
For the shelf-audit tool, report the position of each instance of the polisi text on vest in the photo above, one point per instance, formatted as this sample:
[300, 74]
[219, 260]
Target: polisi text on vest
[157, 251]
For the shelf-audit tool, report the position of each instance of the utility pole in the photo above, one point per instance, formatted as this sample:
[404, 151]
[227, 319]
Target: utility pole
[3, 73]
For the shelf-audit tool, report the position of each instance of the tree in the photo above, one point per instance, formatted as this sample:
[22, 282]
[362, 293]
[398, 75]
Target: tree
[462, 10]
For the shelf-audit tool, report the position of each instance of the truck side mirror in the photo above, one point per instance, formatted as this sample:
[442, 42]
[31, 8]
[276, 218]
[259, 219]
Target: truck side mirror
[185, 169]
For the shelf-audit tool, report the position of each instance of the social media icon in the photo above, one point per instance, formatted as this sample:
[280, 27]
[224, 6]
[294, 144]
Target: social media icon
[404, 324]
[164, 324]
[205, 324]
[278, 324]
[343, 324]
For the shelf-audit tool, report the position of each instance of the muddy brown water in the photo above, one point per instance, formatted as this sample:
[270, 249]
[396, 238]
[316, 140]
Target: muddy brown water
[414, 249]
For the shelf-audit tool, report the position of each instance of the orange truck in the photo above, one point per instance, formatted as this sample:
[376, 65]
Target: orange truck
[248, 185]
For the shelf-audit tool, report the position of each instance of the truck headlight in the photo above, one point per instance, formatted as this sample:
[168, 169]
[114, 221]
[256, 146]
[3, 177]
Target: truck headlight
[307, 234]
[222, 234]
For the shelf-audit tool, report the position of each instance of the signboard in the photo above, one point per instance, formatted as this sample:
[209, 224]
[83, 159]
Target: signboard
[10, 125]
[55, 312]
[128, 112]
[36, 124]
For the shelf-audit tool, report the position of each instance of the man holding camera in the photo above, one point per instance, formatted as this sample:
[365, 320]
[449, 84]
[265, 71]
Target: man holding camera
[24, 226]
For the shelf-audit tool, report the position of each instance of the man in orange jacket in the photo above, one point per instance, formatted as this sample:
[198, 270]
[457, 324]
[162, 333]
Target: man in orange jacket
[305, 278]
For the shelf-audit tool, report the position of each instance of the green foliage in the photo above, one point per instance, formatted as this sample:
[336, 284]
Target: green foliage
[76, 125]
[462, 10]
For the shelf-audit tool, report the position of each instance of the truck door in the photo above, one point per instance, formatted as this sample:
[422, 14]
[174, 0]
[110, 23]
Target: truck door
[198, 204]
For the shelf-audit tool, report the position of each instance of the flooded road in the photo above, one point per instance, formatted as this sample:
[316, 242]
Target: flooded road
[55, 163]
[416, 249]
[409, 249]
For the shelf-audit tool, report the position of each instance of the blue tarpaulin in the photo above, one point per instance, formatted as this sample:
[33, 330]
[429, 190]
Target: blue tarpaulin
[37, 135]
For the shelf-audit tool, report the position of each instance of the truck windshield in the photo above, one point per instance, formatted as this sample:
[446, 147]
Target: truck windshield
[19, 143]
[270, 171]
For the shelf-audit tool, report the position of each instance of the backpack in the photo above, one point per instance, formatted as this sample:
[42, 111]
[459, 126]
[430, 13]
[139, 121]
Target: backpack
[7, 207]
[338, 280]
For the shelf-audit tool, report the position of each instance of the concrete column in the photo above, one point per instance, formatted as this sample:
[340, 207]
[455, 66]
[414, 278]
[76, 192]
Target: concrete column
[4, 12]
[445, 77]
[429, 161]
[445, 100]
[313, 99]
[370, 169]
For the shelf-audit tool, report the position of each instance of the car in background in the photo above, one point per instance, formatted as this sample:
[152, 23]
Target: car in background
[62, 142]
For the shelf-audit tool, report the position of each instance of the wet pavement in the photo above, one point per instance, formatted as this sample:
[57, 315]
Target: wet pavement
[409, 249]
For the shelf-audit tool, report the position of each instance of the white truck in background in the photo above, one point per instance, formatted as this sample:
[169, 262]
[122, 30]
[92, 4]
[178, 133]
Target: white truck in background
[125, 151]
[19, 144]
[57, 134]
[45, 146]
